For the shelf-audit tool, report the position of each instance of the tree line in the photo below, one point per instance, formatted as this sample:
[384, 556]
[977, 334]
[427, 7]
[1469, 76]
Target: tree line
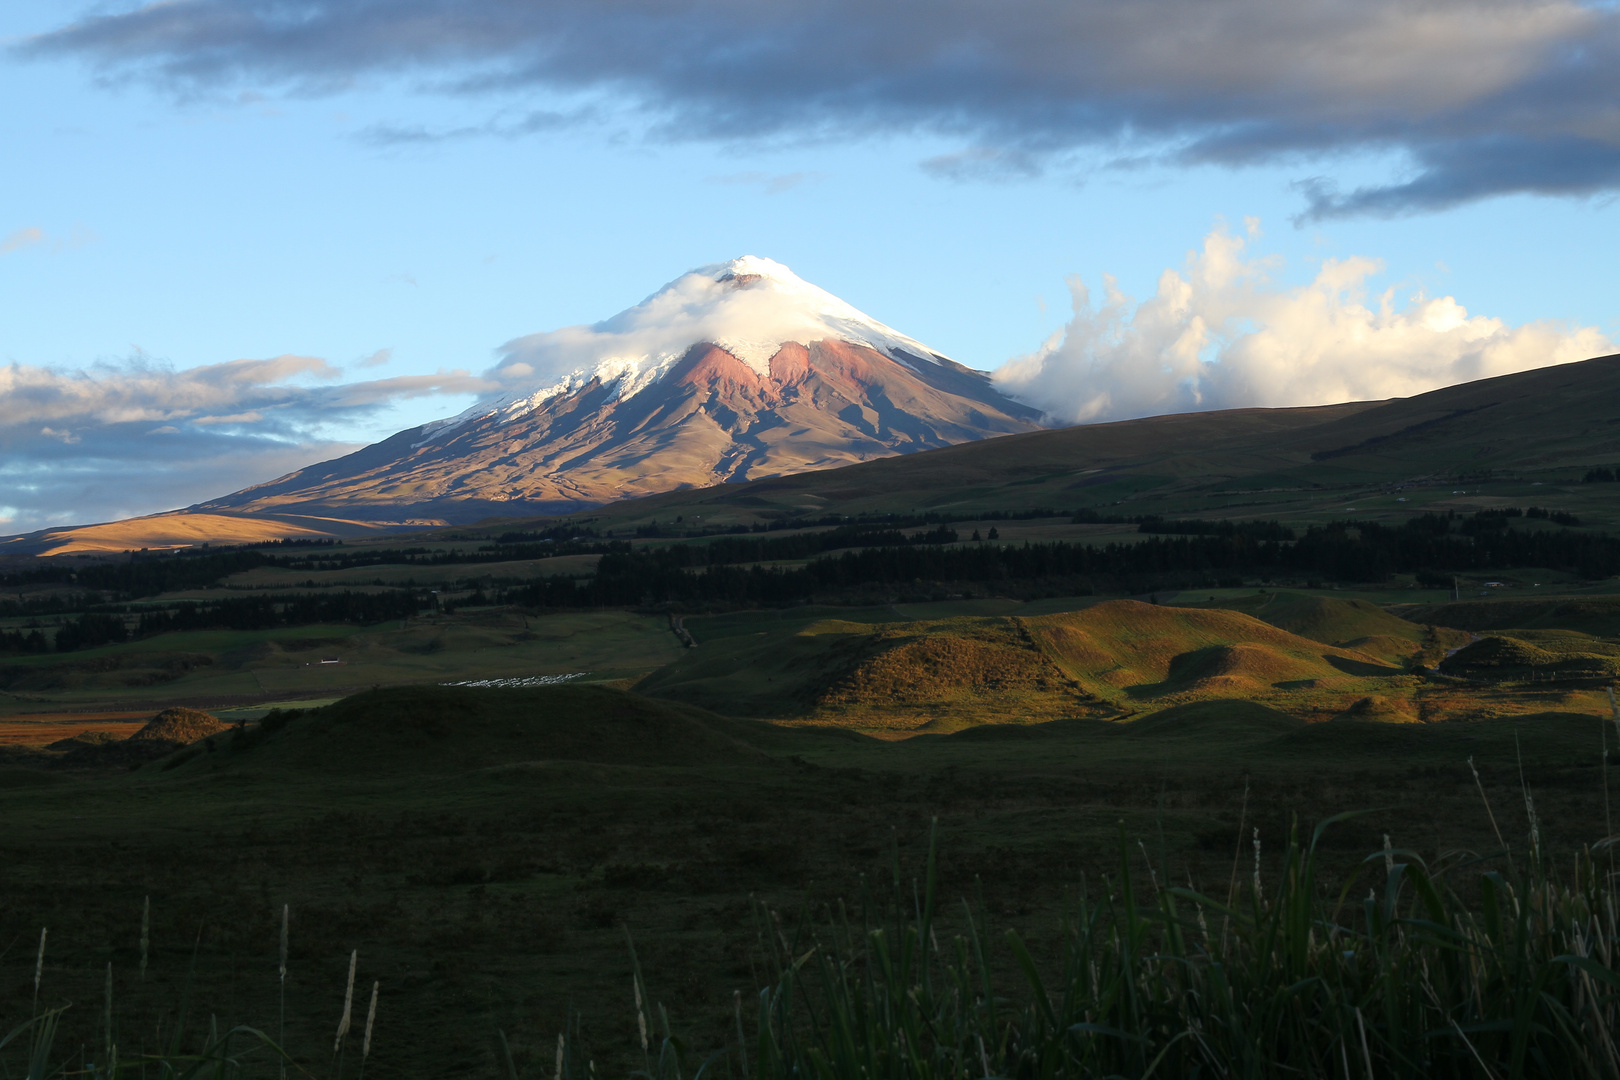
[1350, 551]
[95, 628]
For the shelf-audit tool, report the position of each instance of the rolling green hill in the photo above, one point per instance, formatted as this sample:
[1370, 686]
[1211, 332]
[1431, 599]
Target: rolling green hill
[1357, 624]
[437, 730]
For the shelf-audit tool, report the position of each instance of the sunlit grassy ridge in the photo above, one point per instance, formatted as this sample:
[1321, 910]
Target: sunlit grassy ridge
[1109, 660]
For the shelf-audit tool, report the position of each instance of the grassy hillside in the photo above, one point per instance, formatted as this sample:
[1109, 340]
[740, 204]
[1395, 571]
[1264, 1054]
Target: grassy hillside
[1357, 624]
[450, 729]
[1109, 660]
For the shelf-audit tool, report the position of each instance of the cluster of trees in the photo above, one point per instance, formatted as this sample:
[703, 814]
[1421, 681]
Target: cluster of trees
[1492, 520]
[85, 632]
[729, 550]
[1257, 530]
[1599, 476]
[847, 560]
[144, 575]
[1343, 551]
[94, 628]
[267, 612]
[141, 575]
[677, 529]
[13, 642]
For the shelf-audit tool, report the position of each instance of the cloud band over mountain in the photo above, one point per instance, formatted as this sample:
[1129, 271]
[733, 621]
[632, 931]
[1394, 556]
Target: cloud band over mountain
[1480, 97]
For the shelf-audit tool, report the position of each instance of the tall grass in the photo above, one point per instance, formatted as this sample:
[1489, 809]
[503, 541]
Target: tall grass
[1290, 980]
[1435, 973]
[184, 1052]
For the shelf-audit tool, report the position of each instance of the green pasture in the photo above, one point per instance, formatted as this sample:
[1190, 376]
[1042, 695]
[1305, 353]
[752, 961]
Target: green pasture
[223, 669]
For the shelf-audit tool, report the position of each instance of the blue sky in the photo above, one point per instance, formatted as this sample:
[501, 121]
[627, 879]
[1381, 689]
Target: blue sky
[197, 184]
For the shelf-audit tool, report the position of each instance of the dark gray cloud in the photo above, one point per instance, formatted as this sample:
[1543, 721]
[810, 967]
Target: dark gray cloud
[1486, 96]
[138, 438]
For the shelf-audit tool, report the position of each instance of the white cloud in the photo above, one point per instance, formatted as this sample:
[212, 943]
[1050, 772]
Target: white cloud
[77, 446]
[22, 238]
[1221, 333]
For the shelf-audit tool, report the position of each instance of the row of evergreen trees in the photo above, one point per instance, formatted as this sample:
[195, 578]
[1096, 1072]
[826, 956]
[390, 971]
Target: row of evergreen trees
[95, 628]
[1363, 552]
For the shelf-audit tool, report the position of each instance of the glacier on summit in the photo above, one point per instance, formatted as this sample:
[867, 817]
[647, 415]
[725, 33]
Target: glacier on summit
[749, 306]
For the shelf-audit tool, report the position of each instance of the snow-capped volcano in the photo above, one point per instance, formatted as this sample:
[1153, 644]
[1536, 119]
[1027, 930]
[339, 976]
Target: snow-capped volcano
[750, 307]
[732, 371]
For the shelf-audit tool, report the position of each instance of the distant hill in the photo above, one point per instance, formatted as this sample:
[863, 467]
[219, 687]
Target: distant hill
[1107, 661]
[437, 729]
[1530, 436]
[1551, 425]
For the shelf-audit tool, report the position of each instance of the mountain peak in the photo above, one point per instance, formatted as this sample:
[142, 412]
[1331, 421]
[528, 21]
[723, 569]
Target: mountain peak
[733, 370]
[748, 269]
[750, 307]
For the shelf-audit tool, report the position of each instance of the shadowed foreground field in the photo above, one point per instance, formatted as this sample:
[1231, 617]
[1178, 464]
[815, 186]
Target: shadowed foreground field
[485, 851]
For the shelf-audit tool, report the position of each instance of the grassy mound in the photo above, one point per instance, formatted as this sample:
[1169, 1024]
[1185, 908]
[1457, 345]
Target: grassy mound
[1381, 710]
[945, 674]
[439, 729]
[1533, 653]
[937, 675]
[1213, 720]
[1147, 651]
[83, 739]
[1336, 622]
[168, 731]
[1245, 664]
[181, 725]
[1361, 626]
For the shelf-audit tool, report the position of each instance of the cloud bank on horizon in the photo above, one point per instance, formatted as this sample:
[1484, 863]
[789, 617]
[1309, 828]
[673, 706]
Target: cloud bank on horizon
[1474, 97]
[136, 438]
[1221, 334]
